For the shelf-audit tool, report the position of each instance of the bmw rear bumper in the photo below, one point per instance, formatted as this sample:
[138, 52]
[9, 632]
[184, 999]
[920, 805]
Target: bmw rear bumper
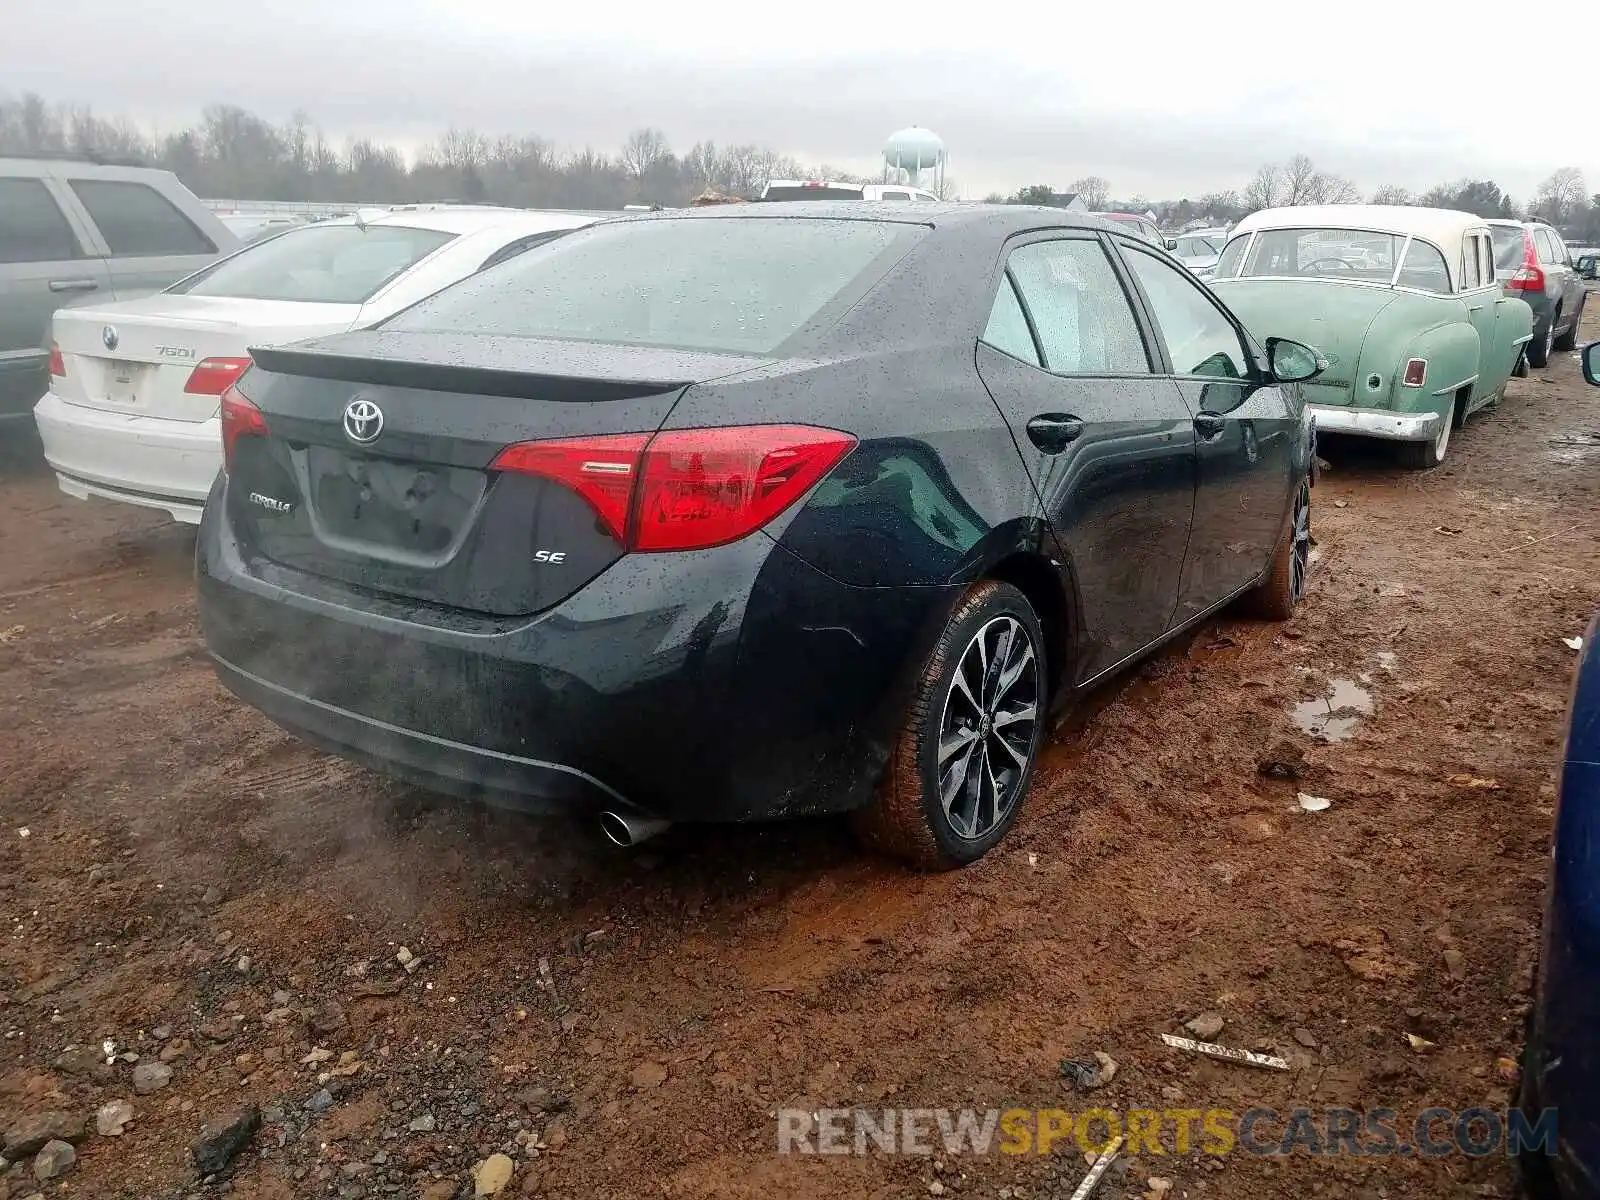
[1377, 422]
[148, 461]
[735, 683]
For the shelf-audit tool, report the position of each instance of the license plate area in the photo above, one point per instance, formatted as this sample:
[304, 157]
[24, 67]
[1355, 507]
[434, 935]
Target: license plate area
[417, 508]
[125, 382]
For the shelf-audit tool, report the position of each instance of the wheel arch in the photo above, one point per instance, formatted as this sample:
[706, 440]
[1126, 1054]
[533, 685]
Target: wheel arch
[1040, 581]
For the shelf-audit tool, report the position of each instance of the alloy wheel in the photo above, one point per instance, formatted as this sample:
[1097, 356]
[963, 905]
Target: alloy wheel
[1300, 551]
[986, 735]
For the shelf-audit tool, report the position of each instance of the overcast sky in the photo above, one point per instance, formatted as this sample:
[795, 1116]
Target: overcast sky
[1154, 97]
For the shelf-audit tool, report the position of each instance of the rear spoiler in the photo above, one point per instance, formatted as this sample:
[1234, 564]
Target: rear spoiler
[452, 377]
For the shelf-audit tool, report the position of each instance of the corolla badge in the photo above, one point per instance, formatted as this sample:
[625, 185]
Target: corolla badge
[109, 338]
[363, 421]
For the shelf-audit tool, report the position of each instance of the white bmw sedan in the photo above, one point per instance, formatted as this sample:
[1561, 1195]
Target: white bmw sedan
[136, 386]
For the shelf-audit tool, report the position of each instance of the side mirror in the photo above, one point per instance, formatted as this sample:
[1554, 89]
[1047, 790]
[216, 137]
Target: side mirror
[1172, 243]
[1292, 362]
[1591, 363]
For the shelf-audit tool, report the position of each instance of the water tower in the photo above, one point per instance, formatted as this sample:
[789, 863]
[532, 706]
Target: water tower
[914, 150]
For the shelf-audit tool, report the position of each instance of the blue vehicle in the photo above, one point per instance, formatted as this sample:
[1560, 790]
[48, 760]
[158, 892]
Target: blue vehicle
[1561, 1064]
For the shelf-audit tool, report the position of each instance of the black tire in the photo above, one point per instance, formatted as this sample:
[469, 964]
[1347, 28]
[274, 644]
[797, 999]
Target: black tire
[1569, 339]
[1277, 596]
[1543, 342]
[958, 697]
[1424, 456]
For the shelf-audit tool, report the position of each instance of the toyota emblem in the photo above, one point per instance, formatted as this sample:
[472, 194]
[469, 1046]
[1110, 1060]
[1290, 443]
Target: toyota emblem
[108, 337]
[363, 421]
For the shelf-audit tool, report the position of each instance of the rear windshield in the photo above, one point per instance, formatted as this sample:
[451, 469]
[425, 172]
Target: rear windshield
[798, 192]
[740, 285]
[1509, 244]
[1196, 247]
[321, 264]
[1317, 254]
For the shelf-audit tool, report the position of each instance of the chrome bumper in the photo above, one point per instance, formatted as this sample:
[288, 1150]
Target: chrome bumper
[1376, 423]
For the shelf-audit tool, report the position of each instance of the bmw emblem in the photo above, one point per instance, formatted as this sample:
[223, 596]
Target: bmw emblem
[109, 338]
[363, 421]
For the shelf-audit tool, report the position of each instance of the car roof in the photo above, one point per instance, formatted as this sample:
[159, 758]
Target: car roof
[1002, 219]
[1435, 224]
[464, 220]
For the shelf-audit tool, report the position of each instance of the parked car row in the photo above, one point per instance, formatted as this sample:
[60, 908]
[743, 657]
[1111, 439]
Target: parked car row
[598, 482]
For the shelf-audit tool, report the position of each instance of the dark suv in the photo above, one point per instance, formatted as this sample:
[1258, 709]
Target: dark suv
[1533, 262]
[71, 231]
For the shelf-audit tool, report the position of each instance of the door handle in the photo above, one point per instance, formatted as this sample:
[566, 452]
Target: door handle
[1475, 308]
[73, 285]
[1209, 424]
[1054, 432]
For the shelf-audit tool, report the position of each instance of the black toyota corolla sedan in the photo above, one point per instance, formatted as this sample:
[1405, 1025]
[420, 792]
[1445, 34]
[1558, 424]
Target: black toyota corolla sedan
[753, 512]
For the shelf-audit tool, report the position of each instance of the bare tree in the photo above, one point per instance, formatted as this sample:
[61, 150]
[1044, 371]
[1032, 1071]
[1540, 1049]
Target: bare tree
[1265, 189]
[1096, 192]
[1391, 193]
[1562, 197]
[642, 151]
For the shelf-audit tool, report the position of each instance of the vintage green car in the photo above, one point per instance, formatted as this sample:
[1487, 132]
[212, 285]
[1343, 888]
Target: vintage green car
[1402, 303]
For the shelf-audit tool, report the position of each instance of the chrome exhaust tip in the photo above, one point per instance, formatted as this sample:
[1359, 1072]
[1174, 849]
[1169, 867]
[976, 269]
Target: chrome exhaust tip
[622, 829]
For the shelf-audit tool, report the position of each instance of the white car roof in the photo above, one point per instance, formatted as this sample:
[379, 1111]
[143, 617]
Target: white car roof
[1442, 225]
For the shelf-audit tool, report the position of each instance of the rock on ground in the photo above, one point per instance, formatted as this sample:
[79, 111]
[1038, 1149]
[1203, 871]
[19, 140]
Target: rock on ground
[29, 1135]
[54, 1160]
[214, 1152]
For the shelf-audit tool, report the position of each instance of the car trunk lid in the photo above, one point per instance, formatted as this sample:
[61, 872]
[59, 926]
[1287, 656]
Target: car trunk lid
[139, 357]
[377, 467]
[1331, 316]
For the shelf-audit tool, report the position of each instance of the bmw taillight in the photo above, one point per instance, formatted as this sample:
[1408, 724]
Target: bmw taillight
[686, 489]
[240, 418]
[213, 376]
[1529, 277]
[58, 365]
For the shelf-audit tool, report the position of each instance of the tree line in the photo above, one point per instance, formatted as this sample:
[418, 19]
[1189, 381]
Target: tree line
[1561, 199]
[233, 153]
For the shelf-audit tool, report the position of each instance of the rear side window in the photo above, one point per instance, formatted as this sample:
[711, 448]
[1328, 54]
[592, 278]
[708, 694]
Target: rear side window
[733, 284]
[1232, 257]
[1082, 315]
[32, 228]
[1008, 327]
[320, 264]
[1547, 252]
[1424, 269]
[137, 221]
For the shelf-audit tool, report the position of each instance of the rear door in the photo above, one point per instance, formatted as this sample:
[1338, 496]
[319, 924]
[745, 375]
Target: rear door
[148, 240]
[1245, 433]
[1571, 289]
[45, 262]
[1480, 296]
[1108, 442]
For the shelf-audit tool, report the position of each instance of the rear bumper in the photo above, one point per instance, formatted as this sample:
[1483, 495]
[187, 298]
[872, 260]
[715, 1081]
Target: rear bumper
[1377, 423]
[729, 684]
[168, 465]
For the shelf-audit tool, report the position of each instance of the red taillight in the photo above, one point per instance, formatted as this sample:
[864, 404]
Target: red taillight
[240, 418]
[215, 375]
[1530, 276]
[1416, 373]
[686, 489]
[58, 365]
[602, 470]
